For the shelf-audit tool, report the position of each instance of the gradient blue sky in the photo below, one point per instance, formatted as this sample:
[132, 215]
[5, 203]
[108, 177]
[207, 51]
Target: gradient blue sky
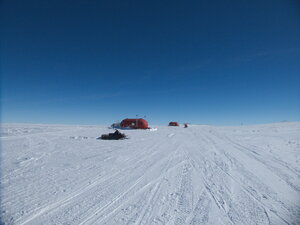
[95, 62]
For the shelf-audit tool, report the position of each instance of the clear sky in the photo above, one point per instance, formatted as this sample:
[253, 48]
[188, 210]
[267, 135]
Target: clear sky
[205, 62]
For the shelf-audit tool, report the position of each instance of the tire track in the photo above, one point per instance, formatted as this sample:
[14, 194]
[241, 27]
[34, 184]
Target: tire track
[252, 194]
[279, 172]
[218, 201]
[108, 209]
[96, 181]
[262, 193]
[222, 196]
[201, 211]
[144, 219]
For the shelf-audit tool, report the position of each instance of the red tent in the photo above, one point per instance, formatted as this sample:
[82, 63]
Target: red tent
[176, 124]
[135, 123]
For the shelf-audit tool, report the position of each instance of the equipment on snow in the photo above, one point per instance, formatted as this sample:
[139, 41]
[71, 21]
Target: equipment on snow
[117, 135]
[134, 123]
[175, 124]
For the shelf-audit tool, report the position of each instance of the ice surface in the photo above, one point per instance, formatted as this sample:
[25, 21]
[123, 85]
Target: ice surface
[54, 174]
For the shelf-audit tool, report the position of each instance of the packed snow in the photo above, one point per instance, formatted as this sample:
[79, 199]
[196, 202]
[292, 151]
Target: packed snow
[55, 174]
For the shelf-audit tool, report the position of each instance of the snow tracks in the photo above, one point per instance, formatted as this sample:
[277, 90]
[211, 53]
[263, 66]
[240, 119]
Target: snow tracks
[199, 175]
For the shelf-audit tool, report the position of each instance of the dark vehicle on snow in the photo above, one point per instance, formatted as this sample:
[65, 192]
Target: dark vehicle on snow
[117, 135]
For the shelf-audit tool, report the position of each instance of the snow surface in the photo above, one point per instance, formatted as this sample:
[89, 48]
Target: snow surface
[54, 174]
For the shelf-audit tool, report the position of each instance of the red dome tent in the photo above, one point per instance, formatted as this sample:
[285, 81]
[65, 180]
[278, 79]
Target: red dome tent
[135, 123]
[174, 124]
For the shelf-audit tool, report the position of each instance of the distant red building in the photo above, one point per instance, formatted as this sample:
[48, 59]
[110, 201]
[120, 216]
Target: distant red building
[176, 124]
[134, 123]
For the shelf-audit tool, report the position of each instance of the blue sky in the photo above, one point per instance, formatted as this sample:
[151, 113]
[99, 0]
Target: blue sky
[95, 62]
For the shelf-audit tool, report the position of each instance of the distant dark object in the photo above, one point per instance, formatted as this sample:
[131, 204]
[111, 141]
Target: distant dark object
[113, 136]
[116, 125]
[185, 125]
[134, 123]
[174, 124]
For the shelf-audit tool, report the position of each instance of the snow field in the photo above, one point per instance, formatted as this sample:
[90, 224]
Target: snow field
[54, 174]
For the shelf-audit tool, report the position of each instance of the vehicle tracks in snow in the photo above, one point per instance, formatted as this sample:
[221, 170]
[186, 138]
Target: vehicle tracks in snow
[218, 182]
[288, 213]
[145, 215]
[181, 176]
[102, 213]
[98, 180]
[266, 161]
[259, 192]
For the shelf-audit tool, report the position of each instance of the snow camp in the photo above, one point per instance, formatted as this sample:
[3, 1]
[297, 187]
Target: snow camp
[150, 112]
[134, 123]
[174, 124]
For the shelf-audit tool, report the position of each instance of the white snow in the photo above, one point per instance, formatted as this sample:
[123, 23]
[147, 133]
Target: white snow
[55, 174]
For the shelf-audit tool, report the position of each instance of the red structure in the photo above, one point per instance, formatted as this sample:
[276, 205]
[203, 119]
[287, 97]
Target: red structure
[174, 124]
[135, 123]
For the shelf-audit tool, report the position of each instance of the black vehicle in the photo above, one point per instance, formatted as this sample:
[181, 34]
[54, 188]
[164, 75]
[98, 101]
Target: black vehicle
[117, 135]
